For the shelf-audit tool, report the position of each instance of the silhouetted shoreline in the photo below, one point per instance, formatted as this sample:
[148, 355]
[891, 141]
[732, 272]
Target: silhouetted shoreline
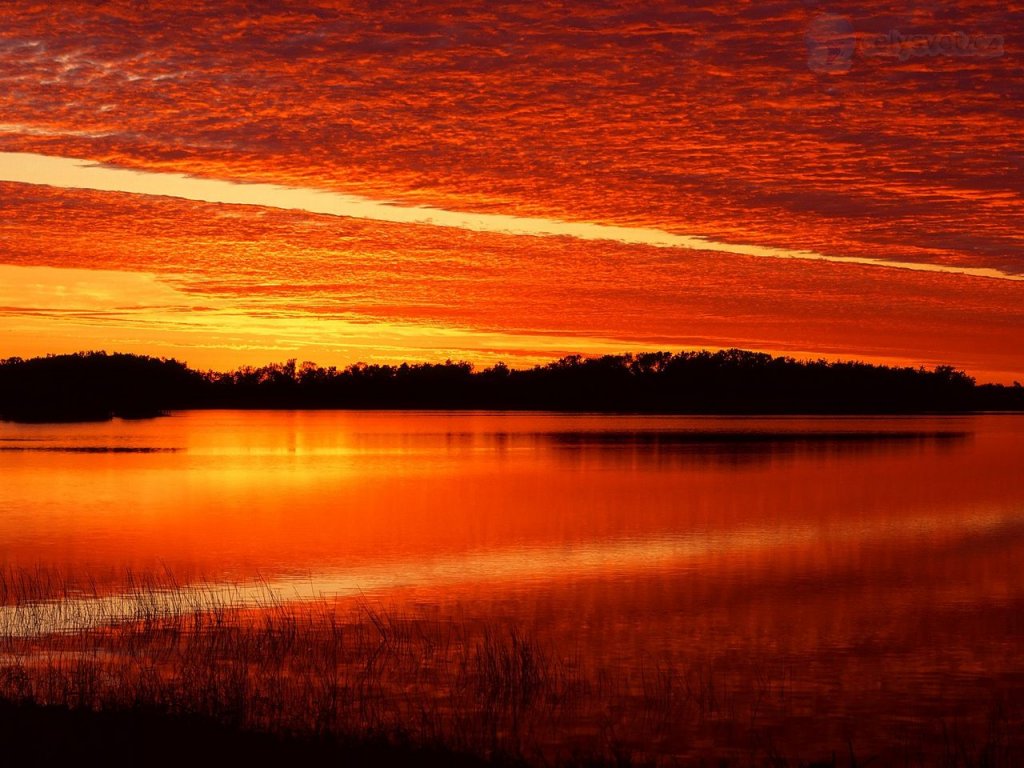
[96, 386]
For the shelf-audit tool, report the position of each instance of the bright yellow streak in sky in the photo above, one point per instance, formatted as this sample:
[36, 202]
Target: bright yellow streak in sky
[70, 173]
[81, 309]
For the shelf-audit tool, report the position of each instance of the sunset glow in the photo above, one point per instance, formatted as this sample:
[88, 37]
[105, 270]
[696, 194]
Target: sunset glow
[333, 182]
[487, 383]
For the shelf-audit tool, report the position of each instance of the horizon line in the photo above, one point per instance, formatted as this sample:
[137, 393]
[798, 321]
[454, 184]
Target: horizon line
[586, 356]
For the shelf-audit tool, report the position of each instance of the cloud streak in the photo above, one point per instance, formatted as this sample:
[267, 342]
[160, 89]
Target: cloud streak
[72, 173]
[706, 119]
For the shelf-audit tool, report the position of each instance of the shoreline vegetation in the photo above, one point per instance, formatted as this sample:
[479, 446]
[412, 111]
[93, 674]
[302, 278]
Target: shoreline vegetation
[97, 386]
[152, 669]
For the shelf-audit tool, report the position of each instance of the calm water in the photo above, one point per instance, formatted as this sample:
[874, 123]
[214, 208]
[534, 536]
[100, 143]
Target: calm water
[875, 564]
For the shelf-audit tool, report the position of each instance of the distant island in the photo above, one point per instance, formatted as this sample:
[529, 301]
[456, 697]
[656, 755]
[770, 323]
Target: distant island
[91, 386]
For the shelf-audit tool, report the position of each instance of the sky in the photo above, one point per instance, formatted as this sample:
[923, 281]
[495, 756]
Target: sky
[231, 183]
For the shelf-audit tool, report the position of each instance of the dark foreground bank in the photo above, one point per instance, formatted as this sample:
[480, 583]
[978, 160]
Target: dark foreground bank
[36, 735]
[97, 386]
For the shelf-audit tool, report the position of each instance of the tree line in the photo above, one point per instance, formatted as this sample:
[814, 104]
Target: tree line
[98, 385]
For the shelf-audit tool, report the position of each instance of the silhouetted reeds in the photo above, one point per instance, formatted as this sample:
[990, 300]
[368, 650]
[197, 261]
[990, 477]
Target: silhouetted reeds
[239, 656]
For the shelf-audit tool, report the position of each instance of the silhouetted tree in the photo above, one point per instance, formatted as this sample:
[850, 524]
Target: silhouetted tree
[97, 385]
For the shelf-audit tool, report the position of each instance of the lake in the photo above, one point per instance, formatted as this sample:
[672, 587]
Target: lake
[811, 583]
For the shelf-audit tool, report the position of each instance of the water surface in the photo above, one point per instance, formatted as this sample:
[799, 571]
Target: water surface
[872, 564]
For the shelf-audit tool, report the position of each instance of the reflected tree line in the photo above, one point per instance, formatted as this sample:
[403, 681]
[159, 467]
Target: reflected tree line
[98, 385]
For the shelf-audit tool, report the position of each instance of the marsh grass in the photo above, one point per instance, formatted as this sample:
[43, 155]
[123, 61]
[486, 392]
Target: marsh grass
[246, 659]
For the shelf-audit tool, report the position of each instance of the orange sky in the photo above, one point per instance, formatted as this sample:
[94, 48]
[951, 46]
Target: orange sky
[591, 177]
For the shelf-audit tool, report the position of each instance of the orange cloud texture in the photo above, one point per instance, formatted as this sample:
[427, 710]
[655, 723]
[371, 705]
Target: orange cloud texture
[715, 121]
